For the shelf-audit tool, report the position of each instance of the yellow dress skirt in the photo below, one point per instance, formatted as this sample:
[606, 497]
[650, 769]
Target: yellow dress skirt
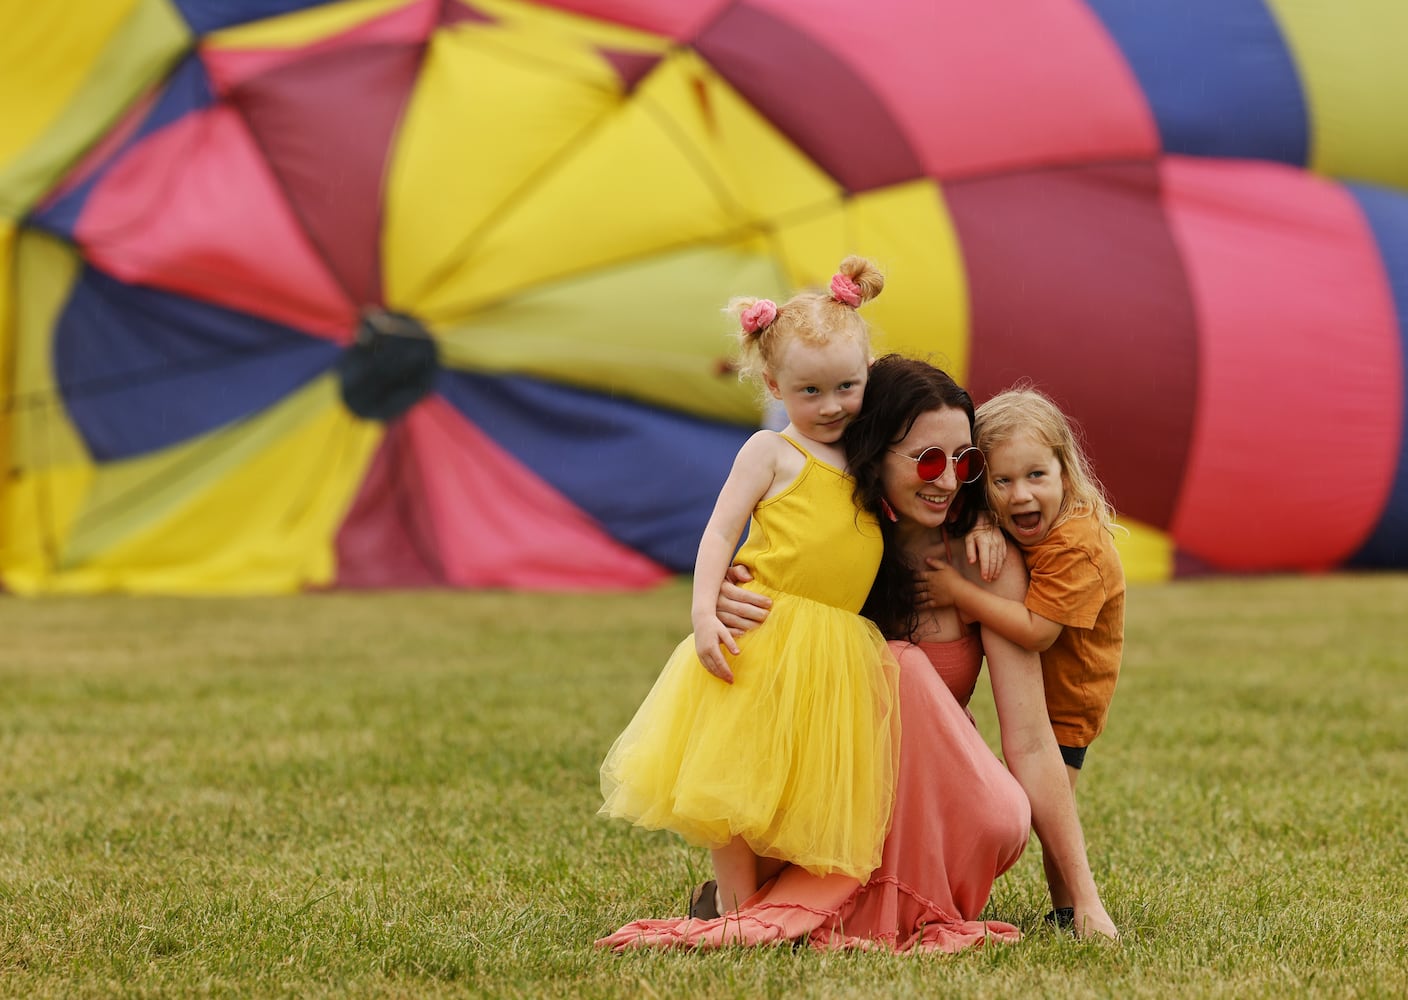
[798, 756]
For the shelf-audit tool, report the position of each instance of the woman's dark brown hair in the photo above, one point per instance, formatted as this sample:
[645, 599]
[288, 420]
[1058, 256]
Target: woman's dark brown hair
[899, 390]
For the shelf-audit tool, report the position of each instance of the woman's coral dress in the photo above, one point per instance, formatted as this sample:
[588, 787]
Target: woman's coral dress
[960, 820]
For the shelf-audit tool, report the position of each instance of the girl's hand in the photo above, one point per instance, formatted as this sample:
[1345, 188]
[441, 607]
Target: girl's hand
[932, 586]
[986, 545]
[709, 635]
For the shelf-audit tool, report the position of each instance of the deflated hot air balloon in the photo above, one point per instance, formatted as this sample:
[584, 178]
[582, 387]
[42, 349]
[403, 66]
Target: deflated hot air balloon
[428, 292]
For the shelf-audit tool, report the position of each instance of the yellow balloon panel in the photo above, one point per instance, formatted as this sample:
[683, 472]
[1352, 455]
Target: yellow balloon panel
[46, 53]
[67, 70]
[42, 434]
[1354, 73]
[303, 27]
[657, 183]
[768, 174]
[907, 231]
[7, 375]
[923, 312]
[260, 501]
[39, 508]
[532, 26]
[472, 95]
[653, 331]
[1146, 552]
[811, 245]
[47, 473]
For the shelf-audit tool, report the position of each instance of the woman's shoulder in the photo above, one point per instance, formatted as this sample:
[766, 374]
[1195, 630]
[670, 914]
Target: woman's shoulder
[1011, 580]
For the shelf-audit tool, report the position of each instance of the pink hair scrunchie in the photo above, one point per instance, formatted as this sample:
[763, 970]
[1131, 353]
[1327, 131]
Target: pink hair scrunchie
[758, 315]
[844, 289]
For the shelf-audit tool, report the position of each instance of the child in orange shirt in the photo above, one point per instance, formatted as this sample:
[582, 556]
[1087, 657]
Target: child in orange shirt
[1044, 495]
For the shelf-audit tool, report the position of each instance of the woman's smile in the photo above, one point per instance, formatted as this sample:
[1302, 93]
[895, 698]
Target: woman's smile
[939, 500]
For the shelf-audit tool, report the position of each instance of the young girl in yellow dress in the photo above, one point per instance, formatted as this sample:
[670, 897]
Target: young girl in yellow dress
[783, 747]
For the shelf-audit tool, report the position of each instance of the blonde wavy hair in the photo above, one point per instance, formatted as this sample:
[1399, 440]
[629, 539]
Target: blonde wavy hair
[1025, 409]
[814, 316]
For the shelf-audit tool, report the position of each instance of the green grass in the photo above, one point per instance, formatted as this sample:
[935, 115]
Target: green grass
[394, 795]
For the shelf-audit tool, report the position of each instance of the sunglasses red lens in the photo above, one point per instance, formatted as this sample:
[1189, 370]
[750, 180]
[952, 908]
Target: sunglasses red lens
[969, 465]
[932, 463]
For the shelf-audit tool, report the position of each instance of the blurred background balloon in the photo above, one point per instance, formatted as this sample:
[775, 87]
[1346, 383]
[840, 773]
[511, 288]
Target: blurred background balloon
[428, 292]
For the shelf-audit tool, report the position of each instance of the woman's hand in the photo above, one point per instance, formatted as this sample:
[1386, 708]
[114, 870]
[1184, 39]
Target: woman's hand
[738, 608]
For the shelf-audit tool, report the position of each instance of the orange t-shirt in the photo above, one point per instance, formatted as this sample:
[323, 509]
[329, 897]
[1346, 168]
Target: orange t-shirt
[1077, 581]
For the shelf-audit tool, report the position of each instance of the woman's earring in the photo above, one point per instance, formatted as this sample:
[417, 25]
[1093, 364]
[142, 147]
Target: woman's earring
[888, 511]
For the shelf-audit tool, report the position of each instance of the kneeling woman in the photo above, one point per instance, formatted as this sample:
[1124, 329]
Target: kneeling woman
[960, 818]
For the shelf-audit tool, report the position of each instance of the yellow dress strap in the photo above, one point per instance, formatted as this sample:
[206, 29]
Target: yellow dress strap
[794, 444]
[812, 458]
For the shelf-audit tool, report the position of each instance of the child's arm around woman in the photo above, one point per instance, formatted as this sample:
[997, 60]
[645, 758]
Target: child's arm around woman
[1011, 619]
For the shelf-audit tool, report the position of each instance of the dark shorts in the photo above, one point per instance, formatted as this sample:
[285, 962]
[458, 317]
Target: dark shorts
[1073, 756]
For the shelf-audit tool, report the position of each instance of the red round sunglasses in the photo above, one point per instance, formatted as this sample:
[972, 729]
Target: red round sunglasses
[932, 463]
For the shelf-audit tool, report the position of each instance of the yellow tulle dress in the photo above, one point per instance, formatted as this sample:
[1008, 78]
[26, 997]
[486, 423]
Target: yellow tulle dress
[798, 756]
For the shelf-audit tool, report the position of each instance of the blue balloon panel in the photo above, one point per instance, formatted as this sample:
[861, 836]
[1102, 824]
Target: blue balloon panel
[211, 15]
[621, 462]
[141, 369]
[1217, 75]
[1387, 212]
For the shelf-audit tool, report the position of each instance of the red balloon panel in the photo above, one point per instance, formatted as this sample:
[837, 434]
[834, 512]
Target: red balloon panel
[476, 518]
[1296, 424]
[193, 208]
[1075, 280]
[677, 19]
[330, 153]
[984, 86]
[814, 95]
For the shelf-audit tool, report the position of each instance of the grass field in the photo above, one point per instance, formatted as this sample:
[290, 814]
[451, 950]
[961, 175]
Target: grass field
[394, 795]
